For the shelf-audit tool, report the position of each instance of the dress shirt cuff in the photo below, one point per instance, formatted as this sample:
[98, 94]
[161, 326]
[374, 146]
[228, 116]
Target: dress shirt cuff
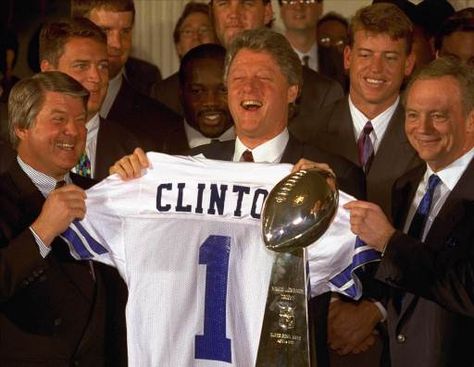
[43, 249]
[381, 308]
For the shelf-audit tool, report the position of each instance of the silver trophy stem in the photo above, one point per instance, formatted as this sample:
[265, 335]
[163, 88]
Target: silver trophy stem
[285, 340]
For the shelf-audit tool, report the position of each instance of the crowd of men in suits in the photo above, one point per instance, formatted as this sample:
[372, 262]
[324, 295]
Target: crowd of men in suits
[250, 96]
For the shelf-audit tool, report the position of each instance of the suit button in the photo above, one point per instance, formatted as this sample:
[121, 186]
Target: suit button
[401, 338]
[75, 362]
[58, 321]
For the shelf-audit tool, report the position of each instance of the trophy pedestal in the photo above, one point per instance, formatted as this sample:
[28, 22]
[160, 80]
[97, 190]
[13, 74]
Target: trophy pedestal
[286, 338]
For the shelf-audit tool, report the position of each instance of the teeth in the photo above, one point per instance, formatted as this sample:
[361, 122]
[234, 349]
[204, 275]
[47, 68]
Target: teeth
[251, 104]
[374, 81]
[212, 116]
[65, 146]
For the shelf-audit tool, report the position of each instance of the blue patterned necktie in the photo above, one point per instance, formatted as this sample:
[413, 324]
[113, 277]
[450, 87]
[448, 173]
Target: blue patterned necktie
[365, 147]
[418, 222]
[83, 168]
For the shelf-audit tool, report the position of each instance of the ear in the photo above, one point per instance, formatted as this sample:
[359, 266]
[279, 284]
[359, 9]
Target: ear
[410, 64]
[293, 91]
[21, 133]
[470, 122]
[347, 57]
[45, 65]
[268, 13]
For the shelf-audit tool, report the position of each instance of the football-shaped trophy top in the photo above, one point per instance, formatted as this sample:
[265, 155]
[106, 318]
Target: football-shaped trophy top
[299, 210]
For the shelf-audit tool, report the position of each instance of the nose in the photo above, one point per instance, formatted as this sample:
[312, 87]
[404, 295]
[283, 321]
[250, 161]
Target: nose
[210, 99]
[234, 10]
[72, 128]
[377, 63]
[114, 40]
[94, 74]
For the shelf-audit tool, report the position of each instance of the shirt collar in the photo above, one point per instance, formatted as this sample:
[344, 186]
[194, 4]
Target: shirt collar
[112, 91]
[270, 152]
[379, 122]
[451, 174]
[196, 138]
[44, 183]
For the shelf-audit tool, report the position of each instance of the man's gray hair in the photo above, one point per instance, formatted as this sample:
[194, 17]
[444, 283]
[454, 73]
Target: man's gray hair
[445, 66]
[27, 98]
[272, 43]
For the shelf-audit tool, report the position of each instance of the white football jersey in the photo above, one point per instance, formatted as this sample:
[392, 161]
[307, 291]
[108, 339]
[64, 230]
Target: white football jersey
[187, 239]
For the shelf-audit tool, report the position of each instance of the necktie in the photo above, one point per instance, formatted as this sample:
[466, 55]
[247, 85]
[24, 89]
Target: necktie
[418, 223]
[419, 219]
[247, 156]
[305, 59]
[366, 149]
[83, 168]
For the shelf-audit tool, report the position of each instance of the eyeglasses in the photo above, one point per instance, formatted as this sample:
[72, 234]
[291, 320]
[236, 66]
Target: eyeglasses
[190, 32]
[326, 41]
[294, 2]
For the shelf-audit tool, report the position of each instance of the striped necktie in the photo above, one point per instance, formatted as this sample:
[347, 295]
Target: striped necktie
[365, 147]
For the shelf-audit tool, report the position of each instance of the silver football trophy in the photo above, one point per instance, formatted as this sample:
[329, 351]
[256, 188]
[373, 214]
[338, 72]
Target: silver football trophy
[296, 213]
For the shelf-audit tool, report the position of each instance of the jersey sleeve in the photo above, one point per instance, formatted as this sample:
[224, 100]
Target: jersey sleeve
[335, 257]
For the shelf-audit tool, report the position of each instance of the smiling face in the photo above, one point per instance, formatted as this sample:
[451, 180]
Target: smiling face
[231, 17]
[259, 94]
[85, 60]
[204, 97]
[435, 122]
[57, 138]
[377, 66]
[117, 25]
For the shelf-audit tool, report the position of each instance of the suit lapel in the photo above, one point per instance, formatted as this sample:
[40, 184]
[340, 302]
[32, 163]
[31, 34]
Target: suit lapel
[394, 148]
[293, 151]
[453, 209]
[341, 125]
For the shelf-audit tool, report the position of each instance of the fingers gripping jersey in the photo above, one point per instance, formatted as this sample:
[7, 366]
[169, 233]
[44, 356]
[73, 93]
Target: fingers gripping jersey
[186, 237]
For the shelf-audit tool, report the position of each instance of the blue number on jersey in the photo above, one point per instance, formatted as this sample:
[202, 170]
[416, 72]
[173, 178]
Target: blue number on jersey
[214, 345]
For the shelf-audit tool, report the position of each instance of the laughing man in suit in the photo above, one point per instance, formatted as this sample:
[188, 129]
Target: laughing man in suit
[430, 253]
[54, 311]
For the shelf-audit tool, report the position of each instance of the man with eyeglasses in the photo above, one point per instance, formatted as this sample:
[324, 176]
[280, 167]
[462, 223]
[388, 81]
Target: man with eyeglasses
[193, 28]
[300, 18]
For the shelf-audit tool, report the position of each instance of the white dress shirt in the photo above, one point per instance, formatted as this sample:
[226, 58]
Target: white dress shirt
[379, 123]
[313, 56]
[112, 91]
[449, 177]
[195, 137]
[269, 152]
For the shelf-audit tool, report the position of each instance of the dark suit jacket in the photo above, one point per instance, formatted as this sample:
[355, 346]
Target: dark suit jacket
[52, 313]
[349, 177]
[317, 91]
[156, 127]
[113, 142]
[141, 74]
[167, 92]
[7, 155]
[395, 156]
[424, 334]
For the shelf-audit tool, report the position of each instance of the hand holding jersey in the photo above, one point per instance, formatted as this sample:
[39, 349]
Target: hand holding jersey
[187, 236]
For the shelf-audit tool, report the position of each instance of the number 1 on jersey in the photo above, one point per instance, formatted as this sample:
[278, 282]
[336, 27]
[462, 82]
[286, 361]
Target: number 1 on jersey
[213, 344]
